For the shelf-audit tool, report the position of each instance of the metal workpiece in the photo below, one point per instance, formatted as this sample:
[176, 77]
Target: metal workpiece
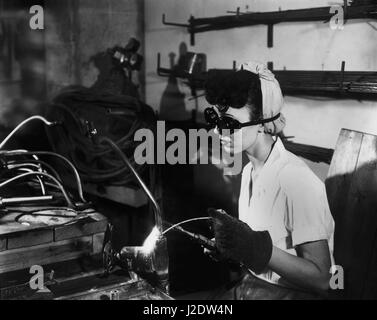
[141, 260]
[137, 259]
[161, 263]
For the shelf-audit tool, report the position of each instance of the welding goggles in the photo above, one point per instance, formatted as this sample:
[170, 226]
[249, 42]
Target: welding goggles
[229, 123]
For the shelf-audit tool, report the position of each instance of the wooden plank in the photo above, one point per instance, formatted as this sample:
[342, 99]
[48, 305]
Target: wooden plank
[30, 238]
[342, 166]
[338, 184]
[17, 259]
[8, 224]
[97, 224]
[364, 217]
[352, 189]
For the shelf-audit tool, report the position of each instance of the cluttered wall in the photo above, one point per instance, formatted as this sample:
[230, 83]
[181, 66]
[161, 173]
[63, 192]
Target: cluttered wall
[311, 120]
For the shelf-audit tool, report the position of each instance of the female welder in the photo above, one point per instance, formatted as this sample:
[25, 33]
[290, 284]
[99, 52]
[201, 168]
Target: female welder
[284, 233]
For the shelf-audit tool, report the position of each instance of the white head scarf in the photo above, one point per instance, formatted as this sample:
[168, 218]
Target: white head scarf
[272, 98]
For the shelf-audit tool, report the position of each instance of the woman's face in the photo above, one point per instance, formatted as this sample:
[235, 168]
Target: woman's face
[242, 139]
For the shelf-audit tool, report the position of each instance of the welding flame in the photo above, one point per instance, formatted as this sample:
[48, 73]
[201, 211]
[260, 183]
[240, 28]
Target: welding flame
[150, 242]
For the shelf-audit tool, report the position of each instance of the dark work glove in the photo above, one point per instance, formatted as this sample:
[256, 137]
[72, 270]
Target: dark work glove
[235, 240]
[213, 254]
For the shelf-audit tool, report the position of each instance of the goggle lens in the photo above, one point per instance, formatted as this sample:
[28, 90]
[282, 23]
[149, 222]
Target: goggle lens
[222, 123]
[231, 124]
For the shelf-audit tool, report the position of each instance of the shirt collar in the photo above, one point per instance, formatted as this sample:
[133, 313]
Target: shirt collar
[275, 159]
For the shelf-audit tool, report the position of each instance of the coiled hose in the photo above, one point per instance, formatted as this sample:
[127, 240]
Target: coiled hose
[83, 119]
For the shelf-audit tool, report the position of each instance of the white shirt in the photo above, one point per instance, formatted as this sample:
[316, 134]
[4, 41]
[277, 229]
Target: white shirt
[289, 201]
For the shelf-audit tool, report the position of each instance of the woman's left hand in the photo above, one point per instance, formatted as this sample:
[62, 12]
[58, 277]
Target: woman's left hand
[236, 241]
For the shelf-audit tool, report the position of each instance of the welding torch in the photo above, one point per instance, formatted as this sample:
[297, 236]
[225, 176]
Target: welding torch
[203, 241]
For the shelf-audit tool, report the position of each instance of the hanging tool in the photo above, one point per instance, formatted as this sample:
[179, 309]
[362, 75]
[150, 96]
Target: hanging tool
[244, 19]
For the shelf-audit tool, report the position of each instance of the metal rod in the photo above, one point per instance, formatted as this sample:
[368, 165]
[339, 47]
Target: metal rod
[295, 82]
[173, 23]
[22, 200]
[198, 25]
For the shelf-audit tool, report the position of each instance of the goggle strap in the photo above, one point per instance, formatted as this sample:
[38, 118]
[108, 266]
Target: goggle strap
[262, 121]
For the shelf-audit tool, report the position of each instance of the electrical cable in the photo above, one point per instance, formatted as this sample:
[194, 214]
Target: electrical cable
[39, 164]
[43, 189]
[94, 161]
[68, 200]
[9, 136]
[11, 166]
[185, 221]
[157, 211]
[53, 154]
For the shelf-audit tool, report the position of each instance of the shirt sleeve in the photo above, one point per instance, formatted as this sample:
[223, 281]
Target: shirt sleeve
[308, 217]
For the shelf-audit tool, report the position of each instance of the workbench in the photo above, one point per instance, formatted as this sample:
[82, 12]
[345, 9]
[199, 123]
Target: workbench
[70, 251]
[25, 242]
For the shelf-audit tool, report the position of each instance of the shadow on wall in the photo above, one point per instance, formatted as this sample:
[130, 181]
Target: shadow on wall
[172, 105]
